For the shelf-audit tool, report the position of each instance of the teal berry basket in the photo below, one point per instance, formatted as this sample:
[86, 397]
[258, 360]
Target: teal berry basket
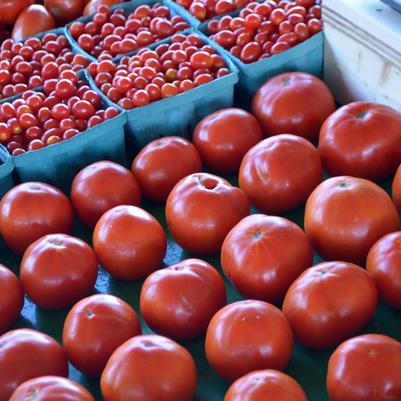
[6, 171]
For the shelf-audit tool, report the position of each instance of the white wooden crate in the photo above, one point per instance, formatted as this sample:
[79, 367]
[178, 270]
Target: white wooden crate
[363, 51]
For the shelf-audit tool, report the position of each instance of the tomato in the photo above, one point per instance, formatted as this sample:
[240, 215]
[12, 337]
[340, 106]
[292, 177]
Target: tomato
[149, 367]
[223, 137]
[49, 285]
[31, 21]
[51, 388]
[87, 337]
[26, 354]
[263, 255]
[256, 386]
[10, 9]
[101, 186]
[246, 336]
[93, 5]
[201, 210]
[383, 262]
[329, 303]
[180, 300]
[11, 298]
[364, 368]
[129, 242]
[293, 103]
[396, 189]
[345, 216]
[362, 139]
[65, 10]
[31, 210]
[279, 173]
[162, 163]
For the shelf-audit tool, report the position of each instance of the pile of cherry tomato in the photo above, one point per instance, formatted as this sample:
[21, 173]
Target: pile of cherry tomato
[109, 34]
[151, 75]
[262, 30]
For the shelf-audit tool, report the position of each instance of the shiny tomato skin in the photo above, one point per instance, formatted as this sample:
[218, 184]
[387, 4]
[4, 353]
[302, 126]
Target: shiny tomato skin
[263, 255]
[31, 210]
[396, 189]
[293, 103]
[26, 354]
[31, 21]
[129, 242]
[246, 336]
[11, 298]
[87, 338]
[256, 386]
[365, 368]
[384, 264]
[58, 270]
[65, 10]
[10, 9]
[223, 137]
[101, 186]
[164, 162]
[201, 210]
[279, 173]
[179, 301]
[51, 388]
[149, 367]
[93, 5]
[316, 319]
[345, 216]
[361, 139]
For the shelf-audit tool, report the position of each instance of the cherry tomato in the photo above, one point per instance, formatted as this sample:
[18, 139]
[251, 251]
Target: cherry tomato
[87, 338]
[337, 224]
[101, 186]
[11, 298]
[180, 300]
[293, 103]
[93, 5]
[223, 138]
[32, 210]
[396, 189]
[246, 336]
[65, 10]
[26, 354]
[257, 385]
[362, 139]
[201, 210]
[129, 242]
[135, 369]
[365, 368]
[162, 163]
[263, 255]
[251, 52]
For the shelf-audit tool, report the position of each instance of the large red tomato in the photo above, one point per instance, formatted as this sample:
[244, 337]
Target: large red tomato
[263, 255]
[293, 103]
[101, 186]
[65, 10]
[223, 137]
[279, 173]
[259, 385]
[31, 21]
[51, 388]
[129, 242]
[93, 5]
[31, 210]
[246, 336]
[26, 354]
[94, 328]
[11, 298]
[384, 263]
[329, 303]
[180, 300]
[149, 367]
[9, 10]
[201, 210]
[164, 162]
[345, 216]
[361, 139]
[396, 189]
[365, 368]
[58, 270]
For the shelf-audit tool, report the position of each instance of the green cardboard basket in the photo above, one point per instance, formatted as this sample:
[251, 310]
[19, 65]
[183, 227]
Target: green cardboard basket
[6, 171]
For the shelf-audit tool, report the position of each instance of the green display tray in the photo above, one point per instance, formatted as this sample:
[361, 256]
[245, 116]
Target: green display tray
[306, 366]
